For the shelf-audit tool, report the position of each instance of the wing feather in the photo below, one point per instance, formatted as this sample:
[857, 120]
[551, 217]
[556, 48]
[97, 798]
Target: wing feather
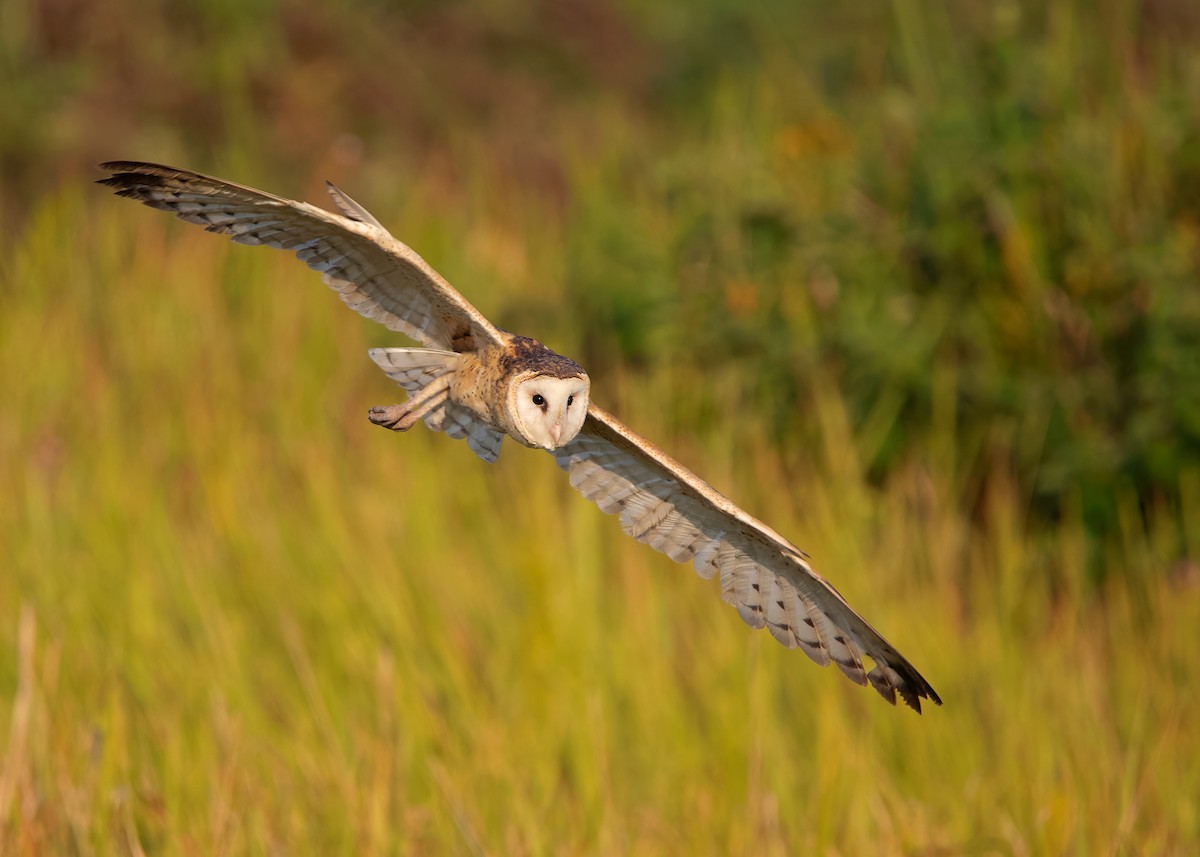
[414, 368]
[765, 577]
[375, 274]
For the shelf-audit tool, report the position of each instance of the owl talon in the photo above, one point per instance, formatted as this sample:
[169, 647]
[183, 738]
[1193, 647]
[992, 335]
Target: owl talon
[394, 417]
[402, 417]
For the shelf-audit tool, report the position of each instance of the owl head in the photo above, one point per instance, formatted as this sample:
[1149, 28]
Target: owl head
[548, 410]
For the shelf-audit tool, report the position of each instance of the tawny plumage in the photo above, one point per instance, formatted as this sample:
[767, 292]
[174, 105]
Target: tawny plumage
[475, 381]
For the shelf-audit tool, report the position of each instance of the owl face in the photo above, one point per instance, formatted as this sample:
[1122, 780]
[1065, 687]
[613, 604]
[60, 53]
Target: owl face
[548, 412]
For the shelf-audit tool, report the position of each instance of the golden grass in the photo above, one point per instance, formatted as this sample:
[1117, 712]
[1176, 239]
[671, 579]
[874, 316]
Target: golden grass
[237, 618]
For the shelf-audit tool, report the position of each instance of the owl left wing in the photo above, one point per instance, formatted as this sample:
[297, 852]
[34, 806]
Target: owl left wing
[768, 579]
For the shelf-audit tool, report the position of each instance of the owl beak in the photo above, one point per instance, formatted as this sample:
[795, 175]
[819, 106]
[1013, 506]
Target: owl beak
[556, 433]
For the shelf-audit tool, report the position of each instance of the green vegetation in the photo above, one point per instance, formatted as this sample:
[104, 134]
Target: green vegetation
[918, 285]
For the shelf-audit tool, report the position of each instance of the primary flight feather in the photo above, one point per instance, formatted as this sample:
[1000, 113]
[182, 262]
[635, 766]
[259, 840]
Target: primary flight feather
[477, 382]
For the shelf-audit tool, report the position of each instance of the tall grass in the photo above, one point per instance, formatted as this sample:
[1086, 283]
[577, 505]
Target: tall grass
[240, 618]
[889, 282]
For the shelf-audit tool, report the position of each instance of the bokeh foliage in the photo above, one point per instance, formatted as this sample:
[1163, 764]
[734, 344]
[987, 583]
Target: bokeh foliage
[1006, 190]
[919, 279]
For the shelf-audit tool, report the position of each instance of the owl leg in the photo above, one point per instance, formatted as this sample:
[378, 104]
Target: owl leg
[403, 416]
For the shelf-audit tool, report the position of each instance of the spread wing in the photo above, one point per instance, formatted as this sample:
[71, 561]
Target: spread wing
[663, 504]
[376, 275]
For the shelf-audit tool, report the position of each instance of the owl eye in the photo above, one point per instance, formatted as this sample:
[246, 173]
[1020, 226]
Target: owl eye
[538, 400]
[570, 401]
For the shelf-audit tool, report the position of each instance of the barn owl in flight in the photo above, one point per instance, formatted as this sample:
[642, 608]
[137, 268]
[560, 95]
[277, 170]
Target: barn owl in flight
[475, 381]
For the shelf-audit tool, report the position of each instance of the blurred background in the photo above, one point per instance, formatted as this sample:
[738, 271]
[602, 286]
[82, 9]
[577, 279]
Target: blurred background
[917, 283]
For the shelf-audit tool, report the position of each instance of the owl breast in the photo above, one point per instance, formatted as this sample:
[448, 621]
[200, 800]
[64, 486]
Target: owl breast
[477, 386]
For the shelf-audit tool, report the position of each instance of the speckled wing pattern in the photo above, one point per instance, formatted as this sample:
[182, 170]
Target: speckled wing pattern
[663, 504]
[375, 274]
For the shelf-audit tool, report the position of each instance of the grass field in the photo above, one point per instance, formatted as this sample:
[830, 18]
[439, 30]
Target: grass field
[237, 618]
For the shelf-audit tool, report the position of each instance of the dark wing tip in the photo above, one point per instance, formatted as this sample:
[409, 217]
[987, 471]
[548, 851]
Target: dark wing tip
[914, 688]
[138, 185]
[933, 697]
[132, 178]
[901, 678]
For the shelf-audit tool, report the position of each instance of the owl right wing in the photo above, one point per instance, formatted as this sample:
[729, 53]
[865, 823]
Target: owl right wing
[375, 274]
[768, 579]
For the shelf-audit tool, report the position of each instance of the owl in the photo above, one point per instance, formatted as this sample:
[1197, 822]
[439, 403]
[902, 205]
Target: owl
[477, 382]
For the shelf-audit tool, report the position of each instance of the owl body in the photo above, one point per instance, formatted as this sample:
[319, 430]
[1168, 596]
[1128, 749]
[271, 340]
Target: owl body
[476, 382]
[487, 380]
[515, 386]
[478, 386]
